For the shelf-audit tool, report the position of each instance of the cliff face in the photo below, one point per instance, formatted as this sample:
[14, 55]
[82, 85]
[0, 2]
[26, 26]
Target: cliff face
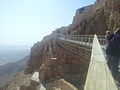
[54, 61]
[37, 54]
[97, 18]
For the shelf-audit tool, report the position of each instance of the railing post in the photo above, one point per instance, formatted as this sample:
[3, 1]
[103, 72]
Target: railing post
[103, 41]
[89, 40]
[85, 40]
[82, 39]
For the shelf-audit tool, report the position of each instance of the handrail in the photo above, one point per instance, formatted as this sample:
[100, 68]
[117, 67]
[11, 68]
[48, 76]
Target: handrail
[65, 43]
[99, 77]
[75, 53]
[87, 39]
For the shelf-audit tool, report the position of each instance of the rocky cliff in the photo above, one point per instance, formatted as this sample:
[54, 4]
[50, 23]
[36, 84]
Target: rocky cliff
[55, 62]
[97, 18]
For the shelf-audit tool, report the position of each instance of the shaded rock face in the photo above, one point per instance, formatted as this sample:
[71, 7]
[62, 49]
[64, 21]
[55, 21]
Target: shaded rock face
[112, 11]
[37, 53]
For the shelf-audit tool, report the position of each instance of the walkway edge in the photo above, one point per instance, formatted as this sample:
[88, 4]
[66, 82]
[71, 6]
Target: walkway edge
[99, 77]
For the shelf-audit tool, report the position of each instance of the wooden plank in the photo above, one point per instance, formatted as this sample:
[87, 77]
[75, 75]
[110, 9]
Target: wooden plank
[99, 76]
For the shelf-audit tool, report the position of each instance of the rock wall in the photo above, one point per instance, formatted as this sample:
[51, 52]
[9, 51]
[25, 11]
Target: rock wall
[97, 18]
[37, 54]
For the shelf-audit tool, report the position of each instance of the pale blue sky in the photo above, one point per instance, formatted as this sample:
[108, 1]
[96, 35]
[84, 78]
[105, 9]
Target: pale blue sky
[24, 22]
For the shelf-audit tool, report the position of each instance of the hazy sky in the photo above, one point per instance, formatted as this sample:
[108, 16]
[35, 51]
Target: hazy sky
[24, 22]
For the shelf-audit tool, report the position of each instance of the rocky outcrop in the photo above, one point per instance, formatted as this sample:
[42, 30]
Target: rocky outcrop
[112, 13]
[60, 85]
[37, 55]
[97, 18]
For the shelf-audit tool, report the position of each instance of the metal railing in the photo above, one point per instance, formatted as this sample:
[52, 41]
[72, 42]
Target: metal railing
[82, 42]
[86, 40]
[75, 49]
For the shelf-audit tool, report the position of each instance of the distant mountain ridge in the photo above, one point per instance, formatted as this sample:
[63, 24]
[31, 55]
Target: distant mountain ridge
[9, 54]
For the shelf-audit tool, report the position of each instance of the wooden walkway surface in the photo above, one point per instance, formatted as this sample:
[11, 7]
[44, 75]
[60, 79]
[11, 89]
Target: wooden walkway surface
[99, 77]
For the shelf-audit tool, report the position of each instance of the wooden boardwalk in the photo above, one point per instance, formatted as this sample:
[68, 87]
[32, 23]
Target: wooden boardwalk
[99, 77]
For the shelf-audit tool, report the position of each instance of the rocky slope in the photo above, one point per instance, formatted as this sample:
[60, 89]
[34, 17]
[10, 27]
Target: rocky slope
[94, 19]
[8, 71]
[20, 79]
